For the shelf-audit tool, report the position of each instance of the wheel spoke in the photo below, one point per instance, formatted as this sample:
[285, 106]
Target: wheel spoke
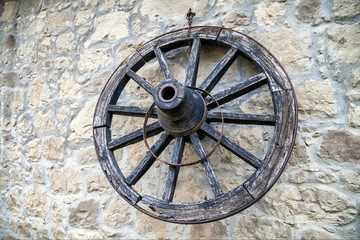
[144, 84]
[130, 111]
[173, 172]
[163, 64]
[242, 118]
[149, 159]
[238, 90]
[193, 65]
[214, 183]
[231, 146]
[135, 136]
[219, 70]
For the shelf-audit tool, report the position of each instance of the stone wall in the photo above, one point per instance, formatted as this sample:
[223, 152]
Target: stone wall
[55, 58]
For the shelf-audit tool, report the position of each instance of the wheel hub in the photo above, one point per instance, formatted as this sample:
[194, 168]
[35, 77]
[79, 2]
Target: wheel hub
[181, 110]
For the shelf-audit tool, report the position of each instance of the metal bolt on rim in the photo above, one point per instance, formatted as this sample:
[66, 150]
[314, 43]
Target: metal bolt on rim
[267, 170]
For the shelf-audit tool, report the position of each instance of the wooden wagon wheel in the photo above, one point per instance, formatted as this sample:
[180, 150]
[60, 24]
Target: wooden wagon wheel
[183, 114]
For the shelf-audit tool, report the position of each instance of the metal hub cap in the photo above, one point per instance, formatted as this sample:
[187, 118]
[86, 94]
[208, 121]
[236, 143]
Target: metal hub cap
[181, 110]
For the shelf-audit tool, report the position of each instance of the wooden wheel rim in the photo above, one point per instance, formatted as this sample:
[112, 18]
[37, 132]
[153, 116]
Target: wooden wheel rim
[267, 172]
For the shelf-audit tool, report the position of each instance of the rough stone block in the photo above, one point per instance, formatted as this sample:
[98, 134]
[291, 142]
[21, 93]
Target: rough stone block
[53, 148]
[340, 146]
[85, 215]
[294, 56]
[117, 214]
[110, 27]
[268, 13]
[9, 11]
[65, 181]
[315, 100]
[346, 9]
[36, 202]
[91, 60]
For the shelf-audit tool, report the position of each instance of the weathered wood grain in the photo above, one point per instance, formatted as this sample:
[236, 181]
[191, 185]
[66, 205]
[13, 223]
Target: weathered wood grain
[135, 136]
[193, 65]
[130, 111]
[149, 159]
[231, 146]
[144, 84]
[238, 90]
[209, 171]
[173, 172]
[241, 118]
[220, 69]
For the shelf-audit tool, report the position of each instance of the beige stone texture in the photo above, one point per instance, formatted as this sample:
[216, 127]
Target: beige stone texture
[87, 155]
[258, 104]
[63, 113]
[352, 180]
[12, 203]
[59, 21]
[297, 177]
[92, 59]
[81, 125]
[84, 215]
[312, 234]
[150, 228]
[36, 202]
[94, 87]
[58, 233]
[97, 183]
[45, 122]
[65, 43]
[84, 17]
[32, 150]
[24, 126]
[24, 227]
[11, 152]
[39, 92]
[45, 47]
[268, 14]
[8, 79]
[346, 9]
[354, 115]
[117, 214]
[16, 98]
[344, 45]
[65, 181]
[324, 177]
[308, 10]
[53, 148]
[69, 89]
[75, 234]
[25, 51]
[109, 27]
[155, 11]
[347, 147]
[9, 11]
[236, 19]
[3, 178]
[57, 215]
[62, 63]
[315, 99]
[293, 57]
[215, 230]
[257, 227]
[126, 49]
[38, 175]
[317, 204]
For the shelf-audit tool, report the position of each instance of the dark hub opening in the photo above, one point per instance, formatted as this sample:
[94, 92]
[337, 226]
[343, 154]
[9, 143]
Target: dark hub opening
[168, 93]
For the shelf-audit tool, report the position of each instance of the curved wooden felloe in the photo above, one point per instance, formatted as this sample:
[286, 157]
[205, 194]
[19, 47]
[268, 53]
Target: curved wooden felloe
[267, 170]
